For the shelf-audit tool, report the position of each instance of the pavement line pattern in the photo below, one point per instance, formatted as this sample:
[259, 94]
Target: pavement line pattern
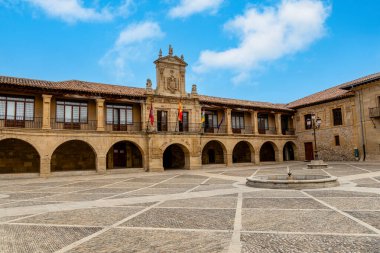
[353, 166]
[85, 239]
[377, 231]
[235, 244]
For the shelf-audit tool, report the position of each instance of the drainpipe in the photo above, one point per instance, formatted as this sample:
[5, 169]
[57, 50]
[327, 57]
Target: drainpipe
[361, 122]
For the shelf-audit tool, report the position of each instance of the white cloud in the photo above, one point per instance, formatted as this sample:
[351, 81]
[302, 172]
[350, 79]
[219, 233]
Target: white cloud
[72, 11]
[134, 45]
[266, 35]
[189, 7]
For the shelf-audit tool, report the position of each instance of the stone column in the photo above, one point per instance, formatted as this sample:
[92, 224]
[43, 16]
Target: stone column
[278, 123]
[100, 114]
[46, 105]
[45, 170]
[255, 124]
[144, 116]
[101, 163]
[227, 115]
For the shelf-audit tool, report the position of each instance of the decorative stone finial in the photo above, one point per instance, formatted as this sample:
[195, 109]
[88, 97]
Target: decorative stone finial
[194, 89]
[170, 50]
[148, 84]
[160, 53]
[182, 57]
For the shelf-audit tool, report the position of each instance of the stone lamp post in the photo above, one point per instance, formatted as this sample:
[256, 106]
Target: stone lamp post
[315, 124]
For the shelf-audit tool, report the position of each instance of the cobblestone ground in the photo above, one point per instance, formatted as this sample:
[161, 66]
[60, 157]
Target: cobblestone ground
[209, 210]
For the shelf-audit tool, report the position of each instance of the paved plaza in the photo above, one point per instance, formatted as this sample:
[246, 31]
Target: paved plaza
[208, 210]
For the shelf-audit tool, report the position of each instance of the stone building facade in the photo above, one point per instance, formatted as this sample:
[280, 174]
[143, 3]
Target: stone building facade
[51, 127]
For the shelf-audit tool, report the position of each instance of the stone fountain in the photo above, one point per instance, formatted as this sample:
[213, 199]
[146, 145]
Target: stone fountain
[291, 181]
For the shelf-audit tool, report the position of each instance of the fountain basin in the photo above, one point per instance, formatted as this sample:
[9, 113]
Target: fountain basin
[292, 182]
[317, 164]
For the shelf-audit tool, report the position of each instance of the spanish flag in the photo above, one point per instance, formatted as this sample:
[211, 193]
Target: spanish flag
[180, 114]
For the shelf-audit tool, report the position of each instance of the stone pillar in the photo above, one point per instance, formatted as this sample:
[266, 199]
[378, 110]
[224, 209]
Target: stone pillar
[255, 124]
[227, 115]
[257, 157]
[144, 116]
[278, 123]
[45, 169]
[46, 105]
[101, 163]
[229, 161]
[100, 114]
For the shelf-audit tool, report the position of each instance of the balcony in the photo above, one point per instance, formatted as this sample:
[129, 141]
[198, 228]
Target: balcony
[288, 131]
[245, 130]
[20, 122]
[131, 127]
[374, 112]
[84, 126]
[214, 130]
[269, 130]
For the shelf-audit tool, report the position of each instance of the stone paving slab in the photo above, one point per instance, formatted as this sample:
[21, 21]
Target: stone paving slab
[18, 188]
[211, 187]
[219, 181]
[9, 218]
[76, 197]
[147, 241]
[370, 217]
[61, 189]
[276, 203]
[27, 195]
[27, 239]
[274, 194]
[129, 184]
[174, 185]
[372, 168]
[272, 243]
[26, 203]
[150, 179]
[354, 203]
[213, 202]
[347, 194]
[87, 184]
[104, 216]
[180, 180]
[220, 219]
[156, 191]
[299, 221]
[240, 173]
[109, 190]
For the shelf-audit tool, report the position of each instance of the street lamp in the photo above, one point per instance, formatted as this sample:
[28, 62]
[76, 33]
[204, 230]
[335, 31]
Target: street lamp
[314, 123]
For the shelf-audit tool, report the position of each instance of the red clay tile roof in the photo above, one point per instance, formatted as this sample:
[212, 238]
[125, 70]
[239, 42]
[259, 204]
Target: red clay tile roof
[75, 85]
[237, 102]
[337, 92]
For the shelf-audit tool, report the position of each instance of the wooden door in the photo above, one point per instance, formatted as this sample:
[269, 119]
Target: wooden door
[119, 155]
[309, 151]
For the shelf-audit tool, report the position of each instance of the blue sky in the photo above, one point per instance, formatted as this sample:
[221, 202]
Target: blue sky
[267, 50]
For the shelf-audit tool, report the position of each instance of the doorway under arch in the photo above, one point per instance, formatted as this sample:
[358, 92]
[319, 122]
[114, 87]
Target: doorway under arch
[242, 153]
[124, 154]
[267, 152]
[289, 151]
[176, 156]
[213, 153]
[18, 156]
[73, 155]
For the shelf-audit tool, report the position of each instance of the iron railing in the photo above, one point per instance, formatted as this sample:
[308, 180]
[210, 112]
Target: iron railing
[269, 130]
[288, 131]
[20, 122]
[131, 127]
[244, 130]
[374, 112]
[89, 125]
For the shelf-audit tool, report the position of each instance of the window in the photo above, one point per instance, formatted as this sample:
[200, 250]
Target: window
[237, 119]
[119, 115]
[308, 118]
[162, 121]
[337, 141]
[337, 115]
[263, 124]
[211, 120]
[71, 112]
[16, 108]
[184, 125]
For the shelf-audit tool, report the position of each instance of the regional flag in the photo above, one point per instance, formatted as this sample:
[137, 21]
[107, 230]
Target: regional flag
[203, 117]
[180, 114]
[151, 114]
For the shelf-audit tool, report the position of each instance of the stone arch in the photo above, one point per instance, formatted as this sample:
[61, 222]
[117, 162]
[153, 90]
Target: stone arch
[133, 155]
[176, 156]
[289, 151]
[73, 155]
[243, 152]
[269, 152]
[18, 156]
[214, 152]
